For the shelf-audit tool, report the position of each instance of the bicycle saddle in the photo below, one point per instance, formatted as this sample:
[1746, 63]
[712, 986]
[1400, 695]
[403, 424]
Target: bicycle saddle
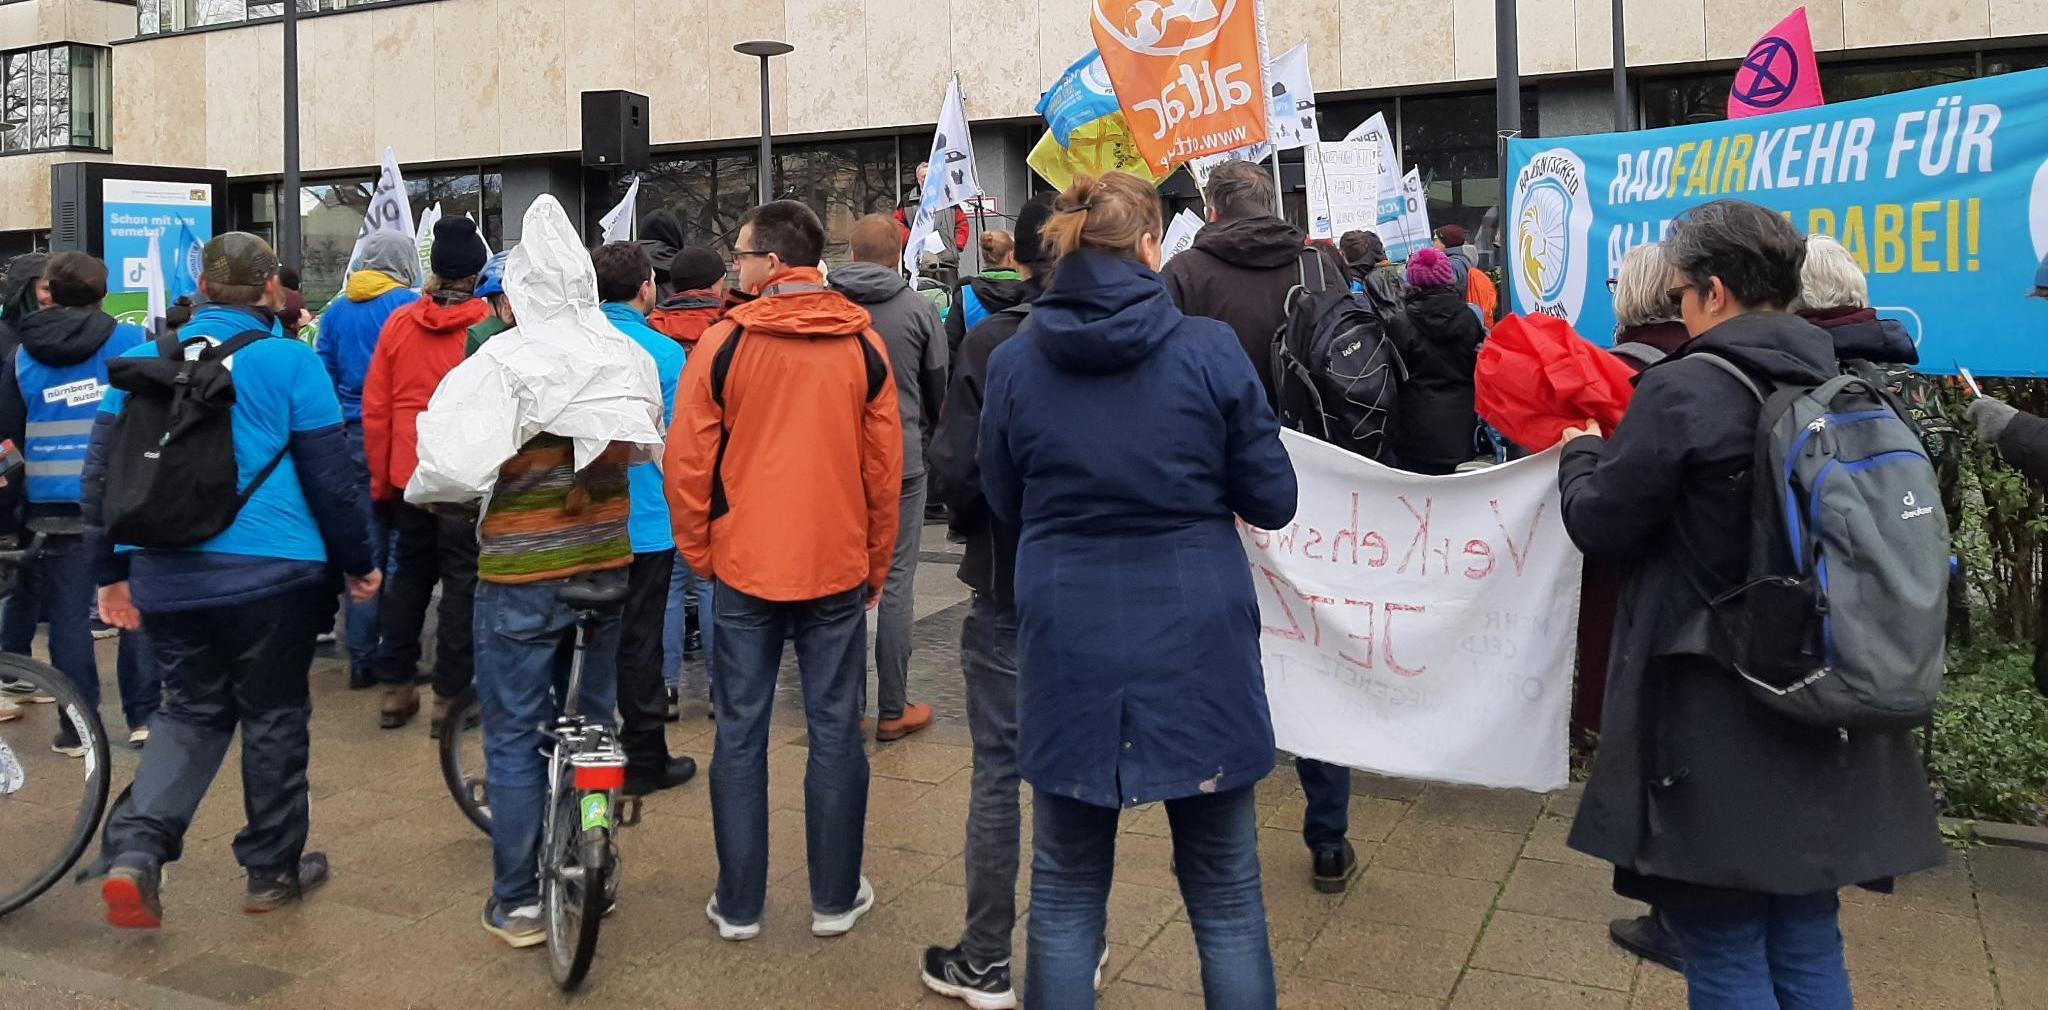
[594, 591]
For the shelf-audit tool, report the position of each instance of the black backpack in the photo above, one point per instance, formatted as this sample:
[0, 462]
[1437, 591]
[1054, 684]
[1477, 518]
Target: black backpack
[1336, 373]
[170, 478]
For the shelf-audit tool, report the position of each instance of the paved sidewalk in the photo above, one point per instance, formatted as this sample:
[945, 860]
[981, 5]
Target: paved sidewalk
[1469, 900]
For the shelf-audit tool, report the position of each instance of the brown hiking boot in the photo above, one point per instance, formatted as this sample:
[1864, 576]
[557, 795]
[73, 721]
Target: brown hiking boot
[916, 716]
[401, 703]
[437, 715]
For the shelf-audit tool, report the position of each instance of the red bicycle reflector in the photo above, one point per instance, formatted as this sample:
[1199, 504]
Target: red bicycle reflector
[594, 778]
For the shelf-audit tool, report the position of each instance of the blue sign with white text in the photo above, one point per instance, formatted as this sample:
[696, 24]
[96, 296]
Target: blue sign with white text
[179, 214]
[1941, 195]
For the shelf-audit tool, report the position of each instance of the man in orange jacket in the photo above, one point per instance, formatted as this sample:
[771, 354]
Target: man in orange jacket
[784, 468]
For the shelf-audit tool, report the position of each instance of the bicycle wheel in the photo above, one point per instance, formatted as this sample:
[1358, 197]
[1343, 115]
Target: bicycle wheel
[50, 804]
[462, 759]
[573, 883]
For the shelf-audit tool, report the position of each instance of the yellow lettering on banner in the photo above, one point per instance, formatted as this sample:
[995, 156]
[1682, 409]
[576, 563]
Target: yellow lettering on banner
[1720, 162]
[1734, 176]
[1821, 221]
[1924, 236]
[1678, 165]
[1955, 241]
[1853, 237]
[1890, 240]
[1701, 174]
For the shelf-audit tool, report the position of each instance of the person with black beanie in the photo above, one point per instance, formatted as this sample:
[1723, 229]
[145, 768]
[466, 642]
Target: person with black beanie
[661, 234]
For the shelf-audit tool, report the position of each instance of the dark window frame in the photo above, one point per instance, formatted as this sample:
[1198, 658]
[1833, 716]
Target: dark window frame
[50, 128]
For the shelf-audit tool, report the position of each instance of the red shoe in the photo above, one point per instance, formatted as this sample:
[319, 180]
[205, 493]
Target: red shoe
[916, 716]
[131, 896]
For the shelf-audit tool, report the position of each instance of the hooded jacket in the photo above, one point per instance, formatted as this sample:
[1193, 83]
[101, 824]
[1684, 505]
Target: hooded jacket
[981, 297]
[421, 344]
[18, 297]
[1138, 626]
[1664, 338]
[685, 315]
[350, 326]
[784, 483]
[1860, 336]
[989, 564]
[1473, 283]
[59, 346]
[661, 234]
[1240, 272]
[1697, 790]
[1435, 429]
[909, 325]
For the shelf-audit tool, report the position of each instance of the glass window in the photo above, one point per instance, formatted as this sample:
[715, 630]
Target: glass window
[332, 212]
[1846, 83]
[2014, 61]
[708, 193]
[1453, 141]
[1678, 101]
[14, 134]
[157, 16]
[54, 97]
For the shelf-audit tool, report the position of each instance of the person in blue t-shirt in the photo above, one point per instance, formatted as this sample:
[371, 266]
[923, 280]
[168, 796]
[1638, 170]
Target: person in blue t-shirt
[50, 390]
[625, 283]
[387, 279]
[231, 622]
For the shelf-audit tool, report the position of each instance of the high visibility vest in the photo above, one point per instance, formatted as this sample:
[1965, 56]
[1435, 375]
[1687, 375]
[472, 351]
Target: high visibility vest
[62, 403]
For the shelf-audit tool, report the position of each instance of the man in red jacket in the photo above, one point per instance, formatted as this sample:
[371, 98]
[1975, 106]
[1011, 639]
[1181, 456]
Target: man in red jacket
[420, 344]
[905, 213]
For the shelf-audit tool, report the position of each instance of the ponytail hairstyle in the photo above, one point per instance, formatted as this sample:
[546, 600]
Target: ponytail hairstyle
[1110, 215]
[997, 247]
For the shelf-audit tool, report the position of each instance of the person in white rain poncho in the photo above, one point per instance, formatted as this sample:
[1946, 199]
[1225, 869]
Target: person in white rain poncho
[540, 425]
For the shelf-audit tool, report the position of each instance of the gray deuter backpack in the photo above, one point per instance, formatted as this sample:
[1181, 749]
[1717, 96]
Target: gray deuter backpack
[1843, 619]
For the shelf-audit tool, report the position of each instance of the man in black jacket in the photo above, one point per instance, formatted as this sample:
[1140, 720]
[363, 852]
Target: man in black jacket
[1240, 270]
[977, 969]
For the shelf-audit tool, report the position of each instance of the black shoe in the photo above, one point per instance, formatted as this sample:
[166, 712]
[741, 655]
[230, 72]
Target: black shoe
[131, 893]
[673, 707]
[361, 681]
[949, 972]
[1335, 868]
[693, 644]
[678, 771]
[270, 891]
[1646, 937]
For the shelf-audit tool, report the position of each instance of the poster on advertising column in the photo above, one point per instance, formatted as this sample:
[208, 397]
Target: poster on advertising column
[1422, 627]
[1940, 194]
[178, 214]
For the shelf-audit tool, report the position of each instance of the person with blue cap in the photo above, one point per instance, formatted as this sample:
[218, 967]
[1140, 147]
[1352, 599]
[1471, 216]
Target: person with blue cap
[492, 291]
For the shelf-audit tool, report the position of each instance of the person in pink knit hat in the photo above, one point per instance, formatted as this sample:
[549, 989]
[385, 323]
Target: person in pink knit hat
[1437, 428]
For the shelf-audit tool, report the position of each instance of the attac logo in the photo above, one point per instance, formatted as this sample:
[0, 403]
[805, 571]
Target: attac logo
[1552, 215]
[1187, 74]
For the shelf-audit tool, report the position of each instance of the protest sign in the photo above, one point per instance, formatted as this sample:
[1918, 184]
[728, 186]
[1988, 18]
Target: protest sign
[1940, 194]
[1188, 74]
[1180, 235]
[1390, 179]
[1407, 230]
[1343, 187]
[1423, 627]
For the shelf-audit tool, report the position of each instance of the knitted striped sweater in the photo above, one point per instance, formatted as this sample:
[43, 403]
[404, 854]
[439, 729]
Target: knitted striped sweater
[545, 521]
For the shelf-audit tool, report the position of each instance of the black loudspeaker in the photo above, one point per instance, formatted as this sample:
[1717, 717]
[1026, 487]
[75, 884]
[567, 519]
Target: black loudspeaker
[615, 130]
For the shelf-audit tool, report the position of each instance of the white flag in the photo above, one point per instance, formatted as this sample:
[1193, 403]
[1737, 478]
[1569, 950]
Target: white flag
[153, 282]
[481, 237]
[390, 210]
[618, 222]
[1290, 116]
[952, 180]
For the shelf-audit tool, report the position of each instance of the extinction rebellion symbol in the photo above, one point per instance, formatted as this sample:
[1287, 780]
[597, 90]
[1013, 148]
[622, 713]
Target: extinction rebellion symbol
[1768, 74]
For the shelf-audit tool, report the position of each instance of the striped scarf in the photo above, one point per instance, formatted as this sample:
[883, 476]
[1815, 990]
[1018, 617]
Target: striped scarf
[546, 521]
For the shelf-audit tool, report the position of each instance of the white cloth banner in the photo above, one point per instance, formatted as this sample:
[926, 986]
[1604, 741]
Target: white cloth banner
[1409, 230]
[1180, 235]
[618, 221]
[1343, 187]
[951, 181]
[1421, 627]
[1290, 119]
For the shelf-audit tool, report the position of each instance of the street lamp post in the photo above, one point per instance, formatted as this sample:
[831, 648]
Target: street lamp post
[288, 195]
[1622, 120]
[1507, 69]
[765, 50]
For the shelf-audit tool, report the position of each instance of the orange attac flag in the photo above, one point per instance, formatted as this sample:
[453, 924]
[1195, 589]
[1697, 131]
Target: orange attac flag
[1188, 74]
[1779, 74]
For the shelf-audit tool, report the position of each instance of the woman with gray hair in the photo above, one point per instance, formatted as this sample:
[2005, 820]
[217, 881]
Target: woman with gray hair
[1647, 328]
[1835, 296]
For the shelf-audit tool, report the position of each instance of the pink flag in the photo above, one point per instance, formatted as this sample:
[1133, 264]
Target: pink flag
[1779, 74]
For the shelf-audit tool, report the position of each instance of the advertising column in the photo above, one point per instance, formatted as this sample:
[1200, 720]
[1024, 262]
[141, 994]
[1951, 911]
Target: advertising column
[178, 214]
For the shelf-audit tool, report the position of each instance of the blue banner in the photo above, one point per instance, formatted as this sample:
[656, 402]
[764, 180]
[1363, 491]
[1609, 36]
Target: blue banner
[179, 214]
[1081, 96]
[1940, 194]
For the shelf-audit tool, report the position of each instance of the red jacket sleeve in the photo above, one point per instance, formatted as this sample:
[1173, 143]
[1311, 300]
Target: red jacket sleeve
[377, 419]
[960, 230]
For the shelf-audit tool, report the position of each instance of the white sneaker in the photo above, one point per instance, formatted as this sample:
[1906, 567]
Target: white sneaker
[730, 930]
[138, 736]
[9, 711]
[841, 924]
[70, 750]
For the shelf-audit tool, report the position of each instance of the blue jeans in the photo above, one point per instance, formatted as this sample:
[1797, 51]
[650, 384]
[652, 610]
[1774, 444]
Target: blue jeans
[1216, 855]
[1328, 816]
[831, 656]
[1769, 952]
[63, 585]
[361, 618]
[522, 668]
[673, 630]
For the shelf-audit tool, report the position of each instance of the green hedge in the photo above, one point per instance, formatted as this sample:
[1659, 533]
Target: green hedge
[1989, 751]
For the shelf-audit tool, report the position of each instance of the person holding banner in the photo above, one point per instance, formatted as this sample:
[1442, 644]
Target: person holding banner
[1138, 627]
[1739, 825]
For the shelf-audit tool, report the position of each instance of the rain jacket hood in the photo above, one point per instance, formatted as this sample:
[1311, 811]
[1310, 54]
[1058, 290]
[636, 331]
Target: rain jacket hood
[801, 314]
[391, 254]
[1102, 314]
[564, 370]
[1255, 243]
[65, 336]
[1859, 334]
[868, 283]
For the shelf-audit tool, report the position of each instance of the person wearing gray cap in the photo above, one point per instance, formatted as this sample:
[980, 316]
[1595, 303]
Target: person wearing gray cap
[231, 621]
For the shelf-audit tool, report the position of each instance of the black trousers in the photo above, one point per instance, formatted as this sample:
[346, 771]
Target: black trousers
[431, 549]
[227, 667]
[643, 696]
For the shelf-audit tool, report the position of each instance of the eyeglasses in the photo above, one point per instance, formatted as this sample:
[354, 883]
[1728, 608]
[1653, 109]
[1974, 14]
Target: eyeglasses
[1612, 284]
[1675, 297]
[740, 254]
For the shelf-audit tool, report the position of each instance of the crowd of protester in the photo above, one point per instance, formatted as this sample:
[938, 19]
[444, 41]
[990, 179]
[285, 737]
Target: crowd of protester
[753, 445]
